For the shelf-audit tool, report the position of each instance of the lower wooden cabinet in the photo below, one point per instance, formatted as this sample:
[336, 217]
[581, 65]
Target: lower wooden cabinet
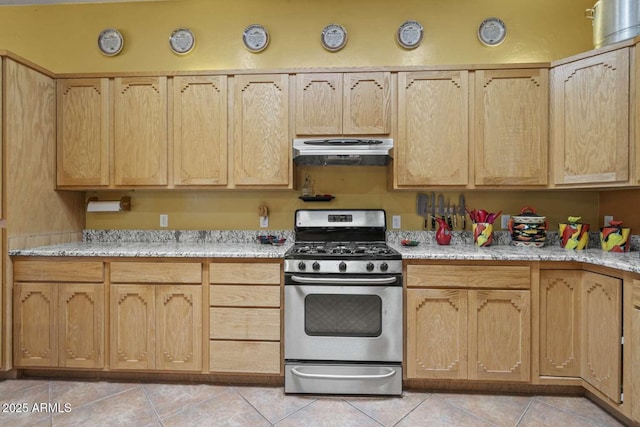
[473, 333]
[581, 328]
[167, 316]
[245, 318]
[635, 352]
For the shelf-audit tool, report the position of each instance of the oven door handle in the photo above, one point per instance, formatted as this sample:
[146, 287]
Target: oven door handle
[390, 372]
[346, 281]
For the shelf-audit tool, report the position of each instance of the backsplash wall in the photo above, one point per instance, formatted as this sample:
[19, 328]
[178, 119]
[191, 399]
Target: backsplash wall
[353, 187]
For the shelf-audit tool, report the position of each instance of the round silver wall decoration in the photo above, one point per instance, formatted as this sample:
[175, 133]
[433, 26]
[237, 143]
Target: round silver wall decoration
[333, 37]
[110, 42]
[492, 31]
[182, 41]
[410, 34]
[255, 38]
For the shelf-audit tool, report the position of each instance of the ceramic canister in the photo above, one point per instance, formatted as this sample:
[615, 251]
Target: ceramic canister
[615, 238]
[574, 235]
[528, 228]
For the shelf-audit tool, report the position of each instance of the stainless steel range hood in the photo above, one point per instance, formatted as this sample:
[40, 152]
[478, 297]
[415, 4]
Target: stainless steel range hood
[342, 151]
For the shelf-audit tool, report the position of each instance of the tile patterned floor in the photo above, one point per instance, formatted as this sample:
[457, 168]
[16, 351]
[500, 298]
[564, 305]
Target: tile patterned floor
[120, 403]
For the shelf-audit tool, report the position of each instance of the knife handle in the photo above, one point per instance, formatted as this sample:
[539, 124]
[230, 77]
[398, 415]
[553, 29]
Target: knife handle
[433, 222]
[449, 221]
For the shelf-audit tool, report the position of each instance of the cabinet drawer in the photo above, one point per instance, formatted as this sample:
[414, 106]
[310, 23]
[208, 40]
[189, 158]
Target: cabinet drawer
[467, 276]
[156, 272]
[58, 271]
[246, 273]
[244, 356]
[245, 323]
[244, 296]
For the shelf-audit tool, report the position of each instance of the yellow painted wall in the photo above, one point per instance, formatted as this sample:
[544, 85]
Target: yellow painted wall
[62, 38]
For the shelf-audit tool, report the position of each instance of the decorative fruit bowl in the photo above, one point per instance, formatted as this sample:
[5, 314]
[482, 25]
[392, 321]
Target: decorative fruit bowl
[271, 240]
[407, 242]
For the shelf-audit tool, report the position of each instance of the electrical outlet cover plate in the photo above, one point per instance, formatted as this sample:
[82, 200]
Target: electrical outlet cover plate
[396, 221]
[504, 221]
[164, 220]
[264, 221]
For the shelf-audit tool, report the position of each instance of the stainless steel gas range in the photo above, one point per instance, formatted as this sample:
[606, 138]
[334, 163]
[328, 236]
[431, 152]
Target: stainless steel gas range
[343, 305]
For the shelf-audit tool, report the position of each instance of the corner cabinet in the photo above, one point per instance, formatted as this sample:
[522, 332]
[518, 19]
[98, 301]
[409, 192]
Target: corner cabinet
[432, 147]
[511, 127]
[164, 301]
[343, 103]
[468, 322]
[590, 121]
[58, 314]
[83, 110]
[140, 131]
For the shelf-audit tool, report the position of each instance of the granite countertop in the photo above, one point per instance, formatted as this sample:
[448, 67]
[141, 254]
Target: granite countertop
[243, 244]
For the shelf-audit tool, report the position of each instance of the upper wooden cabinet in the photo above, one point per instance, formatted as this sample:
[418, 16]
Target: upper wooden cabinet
[432, 147]
[140, 131]
[83, 132]
[590, 120]
[200, 131]
[261, 144]
[343, 103]
[511, 127]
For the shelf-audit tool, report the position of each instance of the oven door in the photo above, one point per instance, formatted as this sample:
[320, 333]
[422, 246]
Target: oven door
[343, 318]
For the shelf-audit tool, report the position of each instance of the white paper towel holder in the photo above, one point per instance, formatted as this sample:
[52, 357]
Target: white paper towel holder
[95, 205]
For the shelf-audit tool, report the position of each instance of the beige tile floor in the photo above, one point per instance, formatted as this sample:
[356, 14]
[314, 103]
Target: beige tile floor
[119, 403]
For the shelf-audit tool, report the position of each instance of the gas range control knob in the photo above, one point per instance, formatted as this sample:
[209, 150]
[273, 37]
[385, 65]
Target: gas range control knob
[384, 266]
[342, 266]
[301, 265]
[315, 265]
[370, 266]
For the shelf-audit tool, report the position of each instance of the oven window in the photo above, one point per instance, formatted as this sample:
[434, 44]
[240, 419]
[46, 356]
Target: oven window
[343, 315]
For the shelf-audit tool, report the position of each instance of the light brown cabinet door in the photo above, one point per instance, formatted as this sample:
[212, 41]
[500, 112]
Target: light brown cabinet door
[367, 103]
[83, 132]
[178, 327]
[432, 147]
[601, 333]
[81, 323]
[560, 293]
[200, 130]
[140, 131]
[499, 335]
[261, 143]
[437, 333]
[511, 127]
[319, 104]
[635, 353]
[35, 328]
[132, 327]
[590, 120]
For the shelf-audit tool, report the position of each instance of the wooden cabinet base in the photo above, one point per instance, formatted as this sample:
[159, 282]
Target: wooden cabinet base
[257, 357]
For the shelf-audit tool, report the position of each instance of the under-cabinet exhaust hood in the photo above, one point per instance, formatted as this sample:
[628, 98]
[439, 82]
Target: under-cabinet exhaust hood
[342, 151]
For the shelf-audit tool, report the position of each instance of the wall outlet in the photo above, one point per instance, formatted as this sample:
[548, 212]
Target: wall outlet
[607, 220]
[504, 221]
[396, 222]
[164, 220]
[264, 221]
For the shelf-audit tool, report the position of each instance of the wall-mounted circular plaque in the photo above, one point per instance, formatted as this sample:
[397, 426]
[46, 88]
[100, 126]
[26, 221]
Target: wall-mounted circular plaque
[410, 34]
[492, 31]
[182, 41]
[255, 38]
[334, 37]
[110, 42]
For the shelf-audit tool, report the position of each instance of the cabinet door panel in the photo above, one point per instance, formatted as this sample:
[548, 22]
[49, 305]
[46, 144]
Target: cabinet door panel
[560, 293]
[261, 145]
[591, 120]
[319, 104]
[635, 353]
[179, 327]
[83, 132]
[200, 130]
[367, 103]
[437, 333]
[81, 325]
[140, 131]
[511, 111]
[499, 335]
[432, 147]
[601, 323]
[132, 347]
[35, 327]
